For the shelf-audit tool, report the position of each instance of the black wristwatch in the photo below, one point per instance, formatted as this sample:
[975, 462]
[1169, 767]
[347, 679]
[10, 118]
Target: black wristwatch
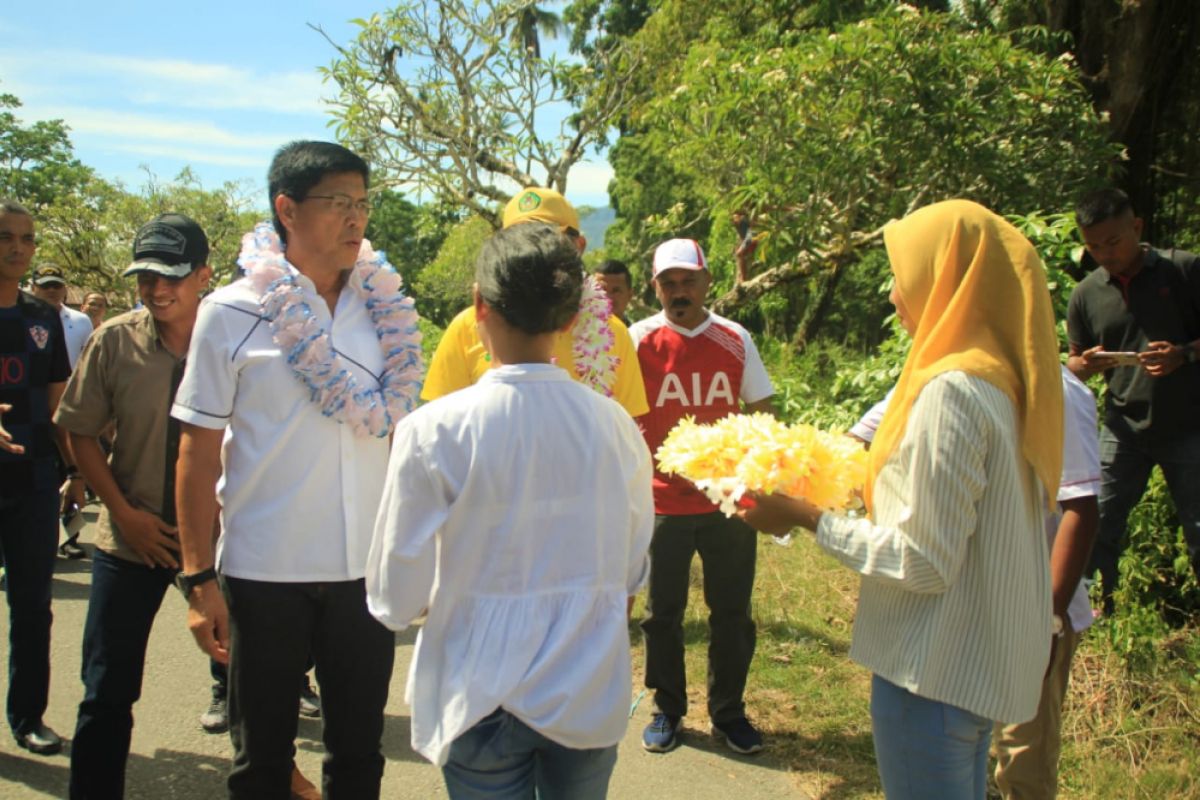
[185, 583]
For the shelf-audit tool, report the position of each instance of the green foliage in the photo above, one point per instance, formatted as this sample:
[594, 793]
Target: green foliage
[444, 287]
[37, 161]
[824, 136]
[1158, 591]
[90, 231]
[410, 234]
[452, 97]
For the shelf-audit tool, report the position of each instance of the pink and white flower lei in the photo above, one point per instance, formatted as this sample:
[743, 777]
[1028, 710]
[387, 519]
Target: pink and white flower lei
[593, 339]
[310, 353]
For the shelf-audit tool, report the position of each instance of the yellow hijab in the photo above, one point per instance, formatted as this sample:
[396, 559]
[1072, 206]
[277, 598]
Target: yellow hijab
[976, 291]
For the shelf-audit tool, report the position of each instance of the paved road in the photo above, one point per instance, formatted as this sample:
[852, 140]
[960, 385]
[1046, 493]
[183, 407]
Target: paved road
[173, 758]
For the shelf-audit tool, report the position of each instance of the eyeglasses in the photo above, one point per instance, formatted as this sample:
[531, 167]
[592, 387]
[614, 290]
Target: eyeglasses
[343, 204]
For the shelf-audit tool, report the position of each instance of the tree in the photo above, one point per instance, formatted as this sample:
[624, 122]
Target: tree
[90, 232]
[411, 235]
[1141, 63]
[444, 287]
[37, 161]
[439, 98]
[822, 138]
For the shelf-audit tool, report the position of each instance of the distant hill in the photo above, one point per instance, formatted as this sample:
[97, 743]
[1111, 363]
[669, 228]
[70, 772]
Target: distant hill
[594, 223]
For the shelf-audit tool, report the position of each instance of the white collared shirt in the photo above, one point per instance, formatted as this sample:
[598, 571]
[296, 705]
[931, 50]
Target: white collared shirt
[77, 327]
[299, 490]
[519, 512]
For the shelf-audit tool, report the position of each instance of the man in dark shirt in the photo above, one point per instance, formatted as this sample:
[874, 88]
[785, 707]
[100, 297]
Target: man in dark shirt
[1144, 301]
[33, 372]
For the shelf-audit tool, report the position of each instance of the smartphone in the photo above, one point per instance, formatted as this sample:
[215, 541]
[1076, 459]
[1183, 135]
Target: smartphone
[1123, 359]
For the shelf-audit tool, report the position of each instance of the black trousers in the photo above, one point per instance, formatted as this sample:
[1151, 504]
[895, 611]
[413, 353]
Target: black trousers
[28, 540]
[273, 629]
[728, 550]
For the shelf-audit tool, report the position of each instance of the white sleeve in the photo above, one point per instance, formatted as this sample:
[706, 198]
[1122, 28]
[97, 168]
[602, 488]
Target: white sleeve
[403, 557]
[641, 511]
[756, 383]
[925, 549]
[1081, 448]
[206, 393]
[864, 430]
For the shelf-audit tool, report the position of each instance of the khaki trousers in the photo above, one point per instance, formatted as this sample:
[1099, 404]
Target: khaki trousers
[1027, 753]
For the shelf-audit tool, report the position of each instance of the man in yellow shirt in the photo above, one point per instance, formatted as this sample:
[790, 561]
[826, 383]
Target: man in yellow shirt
[461, 359]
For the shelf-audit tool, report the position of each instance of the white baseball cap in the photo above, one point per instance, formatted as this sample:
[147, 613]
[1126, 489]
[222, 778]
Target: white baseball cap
[679, 254]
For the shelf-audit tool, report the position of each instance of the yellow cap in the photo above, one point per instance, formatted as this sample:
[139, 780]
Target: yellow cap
[535, 204]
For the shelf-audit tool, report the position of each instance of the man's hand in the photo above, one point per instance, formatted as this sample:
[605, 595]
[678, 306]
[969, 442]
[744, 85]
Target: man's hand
[1094, 363]
[1162, 358]
[208, 620]
[152, 539]
[6, 440]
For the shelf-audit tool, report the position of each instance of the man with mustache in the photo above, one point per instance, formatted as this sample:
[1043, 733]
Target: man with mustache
[696, 364]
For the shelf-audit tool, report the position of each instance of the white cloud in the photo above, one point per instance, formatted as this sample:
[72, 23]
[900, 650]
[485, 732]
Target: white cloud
[590, 180]
[143, 127]
[171, 82]
[194, 156]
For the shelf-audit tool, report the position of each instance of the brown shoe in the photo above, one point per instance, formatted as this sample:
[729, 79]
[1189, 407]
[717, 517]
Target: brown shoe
[302, 787]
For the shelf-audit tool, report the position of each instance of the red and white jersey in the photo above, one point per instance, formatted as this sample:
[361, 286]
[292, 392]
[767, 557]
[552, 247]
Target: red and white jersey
[705, 373]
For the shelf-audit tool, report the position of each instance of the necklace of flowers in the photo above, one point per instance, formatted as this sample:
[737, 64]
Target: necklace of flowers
[309, 350]
[593, 339]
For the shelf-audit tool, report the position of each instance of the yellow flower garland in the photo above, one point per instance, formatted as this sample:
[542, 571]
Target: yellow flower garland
[758, 453]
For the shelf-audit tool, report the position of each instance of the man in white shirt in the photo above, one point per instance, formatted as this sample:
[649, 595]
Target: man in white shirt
[49, 284]
[287, 401]
[696, 364]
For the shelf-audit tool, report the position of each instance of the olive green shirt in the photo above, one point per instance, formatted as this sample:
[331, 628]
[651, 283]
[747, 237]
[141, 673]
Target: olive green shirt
[124, 376]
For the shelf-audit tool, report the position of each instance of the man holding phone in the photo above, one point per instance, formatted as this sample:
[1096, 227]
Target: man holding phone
[1146, 301]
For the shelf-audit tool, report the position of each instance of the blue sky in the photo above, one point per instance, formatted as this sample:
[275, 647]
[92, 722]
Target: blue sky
[215, 85]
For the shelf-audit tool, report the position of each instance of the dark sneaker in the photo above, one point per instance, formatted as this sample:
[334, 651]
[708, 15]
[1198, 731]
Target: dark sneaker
[216, 719]
[310, 702]
[40, 740]
[740, 735]
[662, 734]
[72, 549]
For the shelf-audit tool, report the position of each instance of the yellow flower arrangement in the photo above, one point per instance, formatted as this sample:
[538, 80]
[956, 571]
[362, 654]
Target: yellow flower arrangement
[758, 453]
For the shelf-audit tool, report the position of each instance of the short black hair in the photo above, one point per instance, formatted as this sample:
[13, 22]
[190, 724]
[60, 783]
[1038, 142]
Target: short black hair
[299, 166]
[615, 267]
[8, 206]
[532, 275]
[1100, 205]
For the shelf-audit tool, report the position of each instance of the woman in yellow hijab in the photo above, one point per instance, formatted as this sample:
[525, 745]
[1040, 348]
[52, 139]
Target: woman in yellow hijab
[954, 615]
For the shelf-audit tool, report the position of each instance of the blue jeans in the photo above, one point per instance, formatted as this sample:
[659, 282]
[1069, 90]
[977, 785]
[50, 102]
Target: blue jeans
[28, 539]
[926, 749]
[274, 628]
[504, 759]
[124, 601]
[1125, 465]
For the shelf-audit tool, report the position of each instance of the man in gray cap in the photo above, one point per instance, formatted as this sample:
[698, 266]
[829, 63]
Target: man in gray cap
[128, 373]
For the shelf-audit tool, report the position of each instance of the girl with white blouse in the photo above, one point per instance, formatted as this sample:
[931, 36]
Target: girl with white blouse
[518, 512]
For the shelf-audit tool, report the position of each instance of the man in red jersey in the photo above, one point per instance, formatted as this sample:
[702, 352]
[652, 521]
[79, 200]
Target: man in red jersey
[695, 363]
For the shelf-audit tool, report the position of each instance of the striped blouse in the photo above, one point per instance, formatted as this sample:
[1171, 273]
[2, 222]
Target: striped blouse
[954, 603]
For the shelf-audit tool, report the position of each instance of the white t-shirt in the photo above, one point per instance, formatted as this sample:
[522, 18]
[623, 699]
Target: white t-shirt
[299, 490]
[518, 511]
[77, 327]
